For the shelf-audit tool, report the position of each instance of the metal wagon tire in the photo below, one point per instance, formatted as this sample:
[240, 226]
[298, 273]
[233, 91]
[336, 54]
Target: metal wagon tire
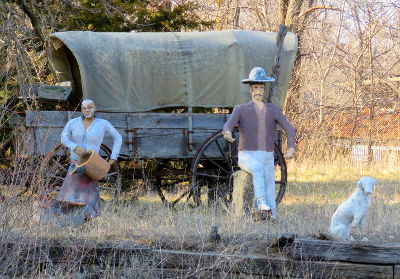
[216, 173]
[54, 168]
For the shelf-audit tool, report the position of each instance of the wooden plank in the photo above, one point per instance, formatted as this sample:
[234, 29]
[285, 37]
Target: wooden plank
[354, 252]
[54, 92]
[209, 121]
[46, 138]
[154, 135]
[148, 143]
[153, 272]
[271, 265]
[396, 272]
[139, 120]
[126, 254]
[16, 119]
[158, 143]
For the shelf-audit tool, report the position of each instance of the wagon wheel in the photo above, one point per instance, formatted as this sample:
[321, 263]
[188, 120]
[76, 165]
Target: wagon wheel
[213, 167]
[54, 168]
[171, 182]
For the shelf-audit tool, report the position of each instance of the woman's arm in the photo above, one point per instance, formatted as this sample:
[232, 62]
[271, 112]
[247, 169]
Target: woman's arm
[117, 141]
[66, 136]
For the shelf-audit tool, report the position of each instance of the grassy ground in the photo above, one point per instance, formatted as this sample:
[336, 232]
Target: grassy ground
[313, 193]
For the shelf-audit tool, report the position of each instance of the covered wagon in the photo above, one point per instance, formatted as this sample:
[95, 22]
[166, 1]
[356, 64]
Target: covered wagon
[168, 94]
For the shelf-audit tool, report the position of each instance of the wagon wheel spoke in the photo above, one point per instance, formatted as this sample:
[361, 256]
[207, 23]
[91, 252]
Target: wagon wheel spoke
[53, 170]
[170, 182]
[211, 175]
[220, 148]
[58, 164]
[217, 165]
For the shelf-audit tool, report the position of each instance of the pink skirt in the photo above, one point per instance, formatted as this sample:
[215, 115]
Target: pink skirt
[79, 188]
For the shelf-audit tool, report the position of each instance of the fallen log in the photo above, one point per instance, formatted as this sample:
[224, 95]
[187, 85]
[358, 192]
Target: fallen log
[352, 252]
[271, 266]
[35, 256]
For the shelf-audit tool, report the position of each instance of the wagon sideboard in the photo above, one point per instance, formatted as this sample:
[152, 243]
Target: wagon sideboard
[144, 135]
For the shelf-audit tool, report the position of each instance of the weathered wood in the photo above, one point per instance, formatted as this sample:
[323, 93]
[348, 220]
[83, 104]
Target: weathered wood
[54, 92]
[396, 272]
[201, 121]
[153, 272]
[130, 134]
[16, 119]
[355, 252]
[272, 265]
[243, 193]
[128, 255]
[146, 143]
[39, 141]
[144, 135]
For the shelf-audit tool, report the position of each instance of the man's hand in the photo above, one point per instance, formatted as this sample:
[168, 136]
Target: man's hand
[228, 136]
[80, 151]
[290, 153]
[111, 162]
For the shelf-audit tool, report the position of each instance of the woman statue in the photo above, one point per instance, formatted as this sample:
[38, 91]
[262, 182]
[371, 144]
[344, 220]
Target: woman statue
[80, 135]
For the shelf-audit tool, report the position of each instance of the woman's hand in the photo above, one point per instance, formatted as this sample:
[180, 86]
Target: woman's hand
[80, 151]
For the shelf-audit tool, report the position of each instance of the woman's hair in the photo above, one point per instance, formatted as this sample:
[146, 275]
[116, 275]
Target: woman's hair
[87, 102]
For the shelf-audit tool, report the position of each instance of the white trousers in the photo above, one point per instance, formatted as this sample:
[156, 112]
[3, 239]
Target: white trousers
[261, 165]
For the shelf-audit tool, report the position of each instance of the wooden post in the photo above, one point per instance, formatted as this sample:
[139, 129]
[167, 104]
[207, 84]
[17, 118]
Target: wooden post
[280, 37]
[243, 193]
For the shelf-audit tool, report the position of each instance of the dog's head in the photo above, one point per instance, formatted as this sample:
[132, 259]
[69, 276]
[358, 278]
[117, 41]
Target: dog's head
[366, 183]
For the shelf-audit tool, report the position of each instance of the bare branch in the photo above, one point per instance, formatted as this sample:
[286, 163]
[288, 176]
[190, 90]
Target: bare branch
[313, 9]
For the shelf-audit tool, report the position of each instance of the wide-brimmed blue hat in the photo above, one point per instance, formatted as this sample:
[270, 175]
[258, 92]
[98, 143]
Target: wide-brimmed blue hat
[257, 75]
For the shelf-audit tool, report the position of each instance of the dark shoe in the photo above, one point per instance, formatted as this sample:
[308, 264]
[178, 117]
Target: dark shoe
[262, 215]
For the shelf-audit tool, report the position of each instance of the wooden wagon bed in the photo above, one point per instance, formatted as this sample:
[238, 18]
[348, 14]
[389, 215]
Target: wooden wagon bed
[145, 135]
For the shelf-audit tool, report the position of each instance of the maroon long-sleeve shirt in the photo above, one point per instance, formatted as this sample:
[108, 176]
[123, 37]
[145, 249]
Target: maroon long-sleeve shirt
[257, 127]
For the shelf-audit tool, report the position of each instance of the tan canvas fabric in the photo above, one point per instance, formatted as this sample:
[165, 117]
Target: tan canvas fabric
[132, 72]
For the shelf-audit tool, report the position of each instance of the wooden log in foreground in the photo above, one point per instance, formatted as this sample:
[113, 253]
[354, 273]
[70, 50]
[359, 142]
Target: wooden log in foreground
[270, 266]
[199, 264]
[353, 252]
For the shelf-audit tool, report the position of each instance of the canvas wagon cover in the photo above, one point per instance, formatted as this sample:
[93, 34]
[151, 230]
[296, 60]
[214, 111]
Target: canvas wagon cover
[136, 72]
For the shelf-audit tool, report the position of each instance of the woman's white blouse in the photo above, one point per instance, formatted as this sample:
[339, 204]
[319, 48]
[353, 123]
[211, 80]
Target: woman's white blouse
[74, 135]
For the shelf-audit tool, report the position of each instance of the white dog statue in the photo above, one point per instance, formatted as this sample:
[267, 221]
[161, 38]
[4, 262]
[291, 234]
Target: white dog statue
[353, 211]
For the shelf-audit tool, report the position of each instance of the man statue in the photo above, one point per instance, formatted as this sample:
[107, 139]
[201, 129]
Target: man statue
[257, 124]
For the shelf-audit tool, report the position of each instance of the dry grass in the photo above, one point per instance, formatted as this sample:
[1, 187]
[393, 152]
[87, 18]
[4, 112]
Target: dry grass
[313, 193]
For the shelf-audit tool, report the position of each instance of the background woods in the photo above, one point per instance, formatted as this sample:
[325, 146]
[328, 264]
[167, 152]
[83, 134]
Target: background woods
[347, 66]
